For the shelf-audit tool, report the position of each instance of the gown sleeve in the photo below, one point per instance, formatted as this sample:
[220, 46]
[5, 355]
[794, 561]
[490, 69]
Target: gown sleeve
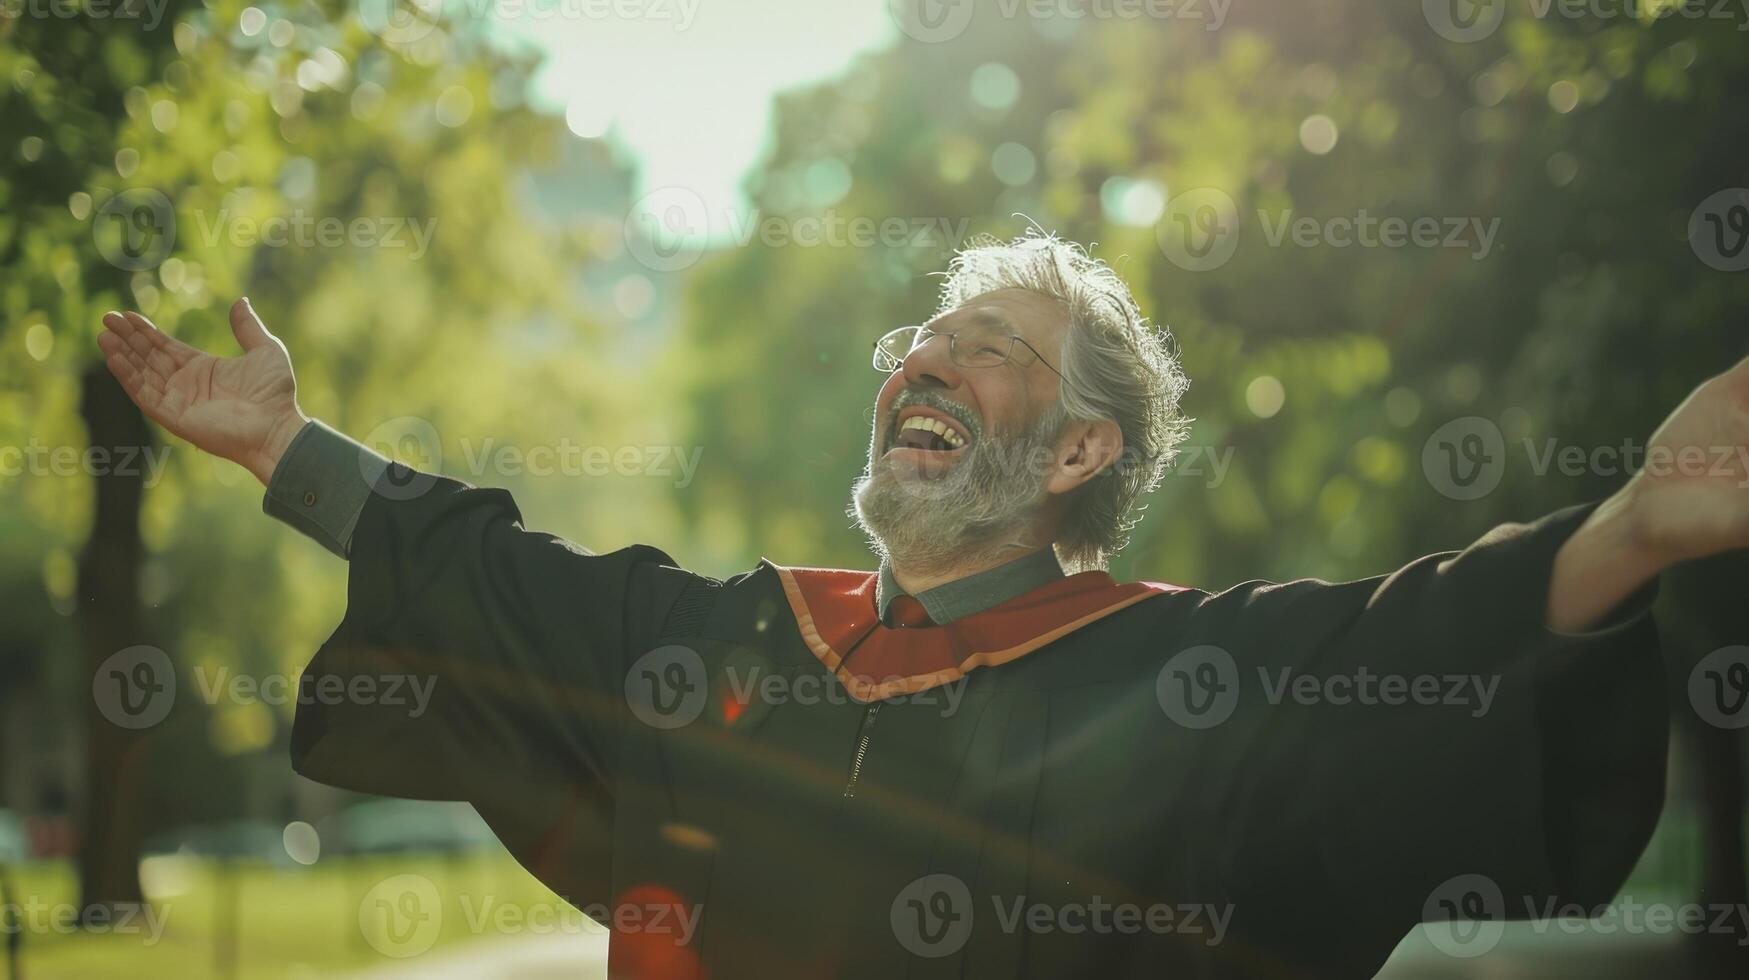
[483, 662]
[1528, 771]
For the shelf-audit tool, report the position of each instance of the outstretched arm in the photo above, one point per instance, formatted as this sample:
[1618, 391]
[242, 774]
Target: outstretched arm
[1689, 500]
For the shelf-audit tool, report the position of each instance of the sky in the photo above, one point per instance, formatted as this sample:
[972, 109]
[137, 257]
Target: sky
[687, 85]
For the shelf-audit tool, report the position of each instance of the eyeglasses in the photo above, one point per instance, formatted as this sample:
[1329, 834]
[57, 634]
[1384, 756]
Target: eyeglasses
[975, 347]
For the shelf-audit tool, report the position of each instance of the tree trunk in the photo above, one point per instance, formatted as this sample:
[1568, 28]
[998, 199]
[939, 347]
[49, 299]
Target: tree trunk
[1707, 594]
[110, 620]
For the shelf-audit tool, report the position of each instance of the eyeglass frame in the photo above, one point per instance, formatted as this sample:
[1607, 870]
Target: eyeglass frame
[952, 338]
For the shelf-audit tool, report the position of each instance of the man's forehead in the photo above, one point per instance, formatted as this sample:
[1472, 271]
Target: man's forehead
[1022, 310]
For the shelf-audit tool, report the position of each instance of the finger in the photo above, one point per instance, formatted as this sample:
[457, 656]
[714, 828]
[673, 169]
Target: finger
[121, 325]
[110, 343]
[134, 382]
[247, 327]
[114, 345]
[178, 352]
[151, 356]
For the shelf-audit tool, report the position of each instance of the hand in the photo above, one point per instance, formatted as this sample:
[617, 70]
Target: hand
[1691, 497]
[244, 409]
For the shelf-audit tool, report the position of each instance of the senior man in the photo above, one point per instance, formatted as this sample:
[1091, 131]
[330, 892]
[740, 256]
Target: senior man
[986, 757]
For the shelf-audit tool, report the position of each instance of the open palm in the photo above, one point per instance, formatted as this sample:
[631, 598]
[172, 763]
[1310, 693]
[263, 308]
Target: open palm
[241, 408]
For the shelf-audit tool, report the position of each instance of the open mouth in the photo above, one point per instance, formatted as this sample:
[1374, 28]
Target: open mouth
[928, 430]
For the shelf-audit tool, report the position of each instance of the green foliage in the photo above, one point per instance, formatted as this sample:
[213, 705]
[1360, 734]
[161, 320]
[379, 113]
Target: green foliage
[1589, 141]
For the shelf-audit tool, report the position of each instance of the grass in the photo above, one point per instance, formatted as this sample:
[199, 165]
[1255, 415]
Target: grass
[286, 923]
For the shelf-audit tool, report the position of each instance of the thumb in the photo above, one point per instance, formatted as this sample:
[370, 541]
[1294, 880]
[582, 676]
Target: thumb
[247, 327]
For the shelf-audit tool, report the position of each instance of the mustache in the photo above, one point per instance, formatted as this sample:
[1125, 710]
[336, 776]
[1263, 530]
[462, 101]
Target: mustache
[930, 399]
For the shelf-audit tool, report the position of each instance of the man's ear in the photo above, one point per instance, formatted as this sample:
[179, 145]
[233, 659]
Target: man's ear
[1083, 451]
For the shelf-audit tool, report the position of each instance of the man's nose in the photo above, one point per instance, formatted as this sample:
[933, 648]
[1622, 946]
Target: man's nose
[930, 364]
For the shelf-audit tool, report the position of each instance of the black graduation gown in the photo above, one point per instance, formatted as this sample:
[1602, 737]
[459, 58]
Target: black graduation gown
[1289, 837]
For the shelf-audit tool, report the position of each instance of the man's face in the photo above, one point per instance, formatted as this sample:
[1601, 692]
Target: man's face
[969, 401]
[960, 456]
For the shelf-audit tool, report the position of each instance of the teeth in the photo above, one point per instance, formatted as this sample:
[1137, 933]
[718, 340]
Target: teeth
[954, 439]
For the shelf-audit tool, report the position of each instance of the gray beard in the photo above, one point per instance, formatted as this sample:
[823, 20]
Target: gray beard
[981, 508]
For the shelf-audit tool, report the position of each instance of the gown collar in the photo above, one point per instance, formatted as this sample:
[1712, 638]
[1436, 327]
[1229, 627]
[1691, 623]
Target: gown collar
[974, 593]
[835, 611]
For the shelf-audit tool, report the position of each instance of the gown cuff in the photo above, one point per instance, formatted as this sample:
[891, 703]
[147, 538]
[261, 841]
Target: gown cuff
[321, 484]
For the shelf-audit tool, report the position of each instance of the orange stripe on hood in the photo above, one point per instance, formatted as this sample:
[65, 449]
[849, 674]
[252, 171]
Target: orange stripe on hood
[835, 609]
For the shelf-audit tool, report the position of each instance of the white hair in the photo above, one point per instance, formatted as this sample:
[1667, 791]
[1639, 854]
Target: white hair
[1115, 365]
